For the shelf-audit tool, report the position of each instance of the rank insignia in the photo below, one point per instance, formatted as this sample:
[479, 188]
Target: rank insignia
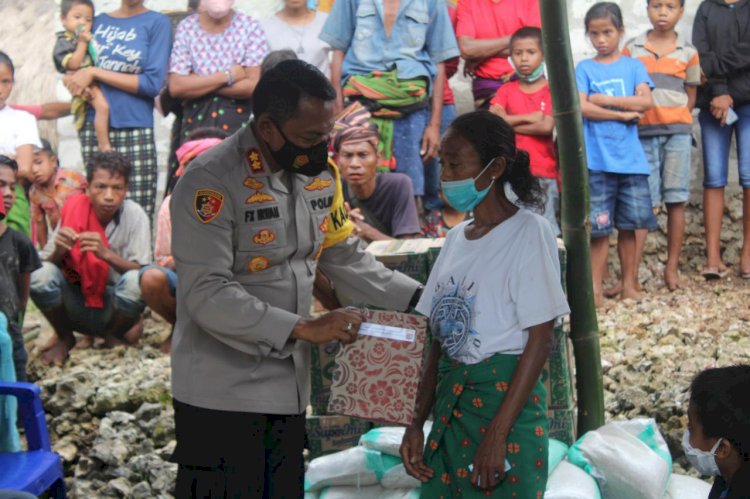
[324, 225]
[318, 184]
[264, 236]
[253, 160]
[259, 197]
[252, 183]
[258, 263]
[208, 204]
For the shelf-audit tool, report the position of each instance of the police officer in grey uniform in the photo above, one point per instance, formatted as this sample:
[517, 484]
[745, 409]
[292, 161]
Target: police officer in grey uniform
[252, 220]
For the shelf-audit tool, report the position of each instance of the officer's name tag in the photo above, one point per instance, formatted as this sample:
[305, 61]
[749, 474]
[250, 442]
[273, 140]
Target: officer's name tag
[387, 332]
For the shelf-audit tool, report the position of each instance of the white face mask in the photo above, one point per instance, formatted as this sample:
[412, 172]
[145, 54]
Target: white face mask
[217, 9]
[703, 462]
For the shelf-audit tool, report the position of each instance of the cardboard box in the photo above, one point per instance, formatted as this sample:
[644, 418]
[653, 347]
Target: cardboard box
[329, 434]
[434, 251]
[557, 372]
[377, 377]
[408, 256]
[321, 373]
[562, 424]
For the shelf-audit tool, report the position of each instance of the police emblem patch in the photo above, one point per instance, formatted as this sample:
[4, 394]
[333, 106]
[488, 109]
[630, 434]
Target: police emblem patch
[208, 204]
[300, 161]
[258, 263]
[318, 184]
[252, 183]
[259, 197]
[254, 159]
[264, 236]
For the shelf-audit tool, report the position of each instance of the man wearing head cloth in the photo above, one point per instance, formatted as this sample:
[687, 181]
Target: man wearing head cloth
[382, 204]
[252, 221]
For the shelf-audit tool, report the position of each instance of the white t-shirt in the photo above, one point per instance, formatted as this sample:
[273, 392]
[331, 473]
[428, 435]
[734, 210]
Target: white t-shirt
[484, 294]
[303, 40]
[17, 128]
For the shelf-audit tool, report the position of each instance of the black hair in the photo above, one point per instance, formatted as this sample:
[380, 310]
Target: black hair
[720, 398]
[9, 162]
[281, 88]
[206, 132]
[492, 137]
[5, 59]
[271, 60]
[46, 147]
[527, 32]
[604, 10]
[113, 162]
[682, 3]
[66, 5]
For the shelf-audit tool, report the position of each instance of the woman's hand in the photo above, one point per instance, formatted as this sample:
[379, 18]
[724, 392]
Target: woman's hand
[720, 107]
[78, 82]
[412, 452]
[489, 461]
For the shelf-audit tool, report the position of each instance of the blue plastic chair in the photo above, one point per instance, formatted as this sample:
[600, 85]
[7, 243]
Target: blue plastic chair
[38, 469]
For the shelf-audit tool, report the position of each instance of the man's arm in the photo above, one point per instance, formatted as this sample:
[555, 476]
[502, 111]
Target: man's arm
[336, 65]
[545, 126]
[477, 50]
[640, 102]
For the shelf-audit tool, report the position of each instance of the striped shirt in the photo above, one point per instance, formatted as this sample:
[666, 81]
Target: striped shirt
[671, 73]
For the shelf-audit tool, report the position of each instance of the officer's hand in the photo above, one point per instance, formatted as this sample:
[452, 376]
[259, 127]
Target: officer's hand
[341, 325]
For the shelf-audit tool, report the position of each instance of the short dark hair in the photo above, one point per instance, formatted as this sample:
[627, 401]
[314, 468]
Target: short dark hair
[282, 87]
[604, 10]
[5, 59]
[682, 3]
[9, 162]
[492, 137]
[46, 147]
[113, 162]
[271, 60]
[527, 32]
[720, 397]
[206, 132]
[66, 5]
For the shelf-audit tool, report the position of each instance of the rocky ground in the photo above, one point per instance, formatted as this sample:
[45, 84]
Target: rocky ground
[110, 416]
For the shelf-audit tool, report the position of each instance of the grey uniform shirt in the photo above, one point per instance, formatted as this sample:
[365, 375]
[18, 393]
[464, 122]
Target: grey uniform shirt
[247, 243]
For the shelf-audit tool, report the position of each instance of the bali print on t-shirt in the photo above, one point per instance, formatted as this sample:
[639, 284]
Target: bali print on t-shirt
[452, 320]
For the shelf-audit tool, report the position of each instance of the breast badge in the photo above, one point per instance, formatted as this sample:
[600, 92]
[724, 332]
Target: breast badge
[208, 204]
[257, 264]
[264, 236]
[259, 197]
[253, 184]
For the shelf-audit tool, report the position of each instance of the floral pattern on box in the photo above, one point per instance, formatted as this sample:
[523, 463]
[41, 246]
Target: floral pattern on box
[376, 378]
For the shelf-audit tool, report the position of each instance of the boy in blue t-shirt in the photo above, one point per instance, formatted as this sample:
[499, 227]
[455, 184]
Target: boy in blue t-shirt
[615, 90]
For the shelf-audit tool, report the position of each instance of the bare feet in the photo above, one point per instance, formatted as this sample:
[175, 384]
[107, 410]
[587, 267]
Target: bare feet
[672, 278]
[55, 352]
[629, 293]
[613, 291]
[133, 335]
[84, 342]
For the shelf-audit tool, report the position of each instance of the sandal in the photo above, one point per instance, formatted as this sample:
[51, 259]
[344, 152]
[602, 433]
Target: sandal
[713, 273]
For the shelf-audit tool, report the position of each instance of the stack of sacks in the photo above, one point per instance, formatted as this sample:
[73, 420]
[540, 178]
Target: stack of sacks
[630, 459]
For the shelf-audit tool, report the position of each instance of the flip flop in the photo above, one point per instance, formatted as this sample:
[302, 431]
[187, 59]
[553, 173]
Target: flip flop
[745, 274]
[713, 273]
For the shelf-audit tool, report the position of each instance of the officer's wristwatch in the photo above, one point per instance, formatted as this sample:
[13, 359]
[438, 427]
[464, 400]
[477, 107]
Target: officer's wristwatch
[230, 78]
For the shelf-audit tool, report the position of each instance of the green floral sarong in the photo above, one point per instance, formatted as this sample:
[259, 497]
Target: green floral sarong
[468, 397]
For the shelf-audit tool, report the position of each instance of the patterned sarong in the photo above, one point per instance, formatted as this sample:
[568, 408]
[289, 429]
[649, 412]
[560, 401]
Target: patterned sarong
[388, 99]
[468, 397]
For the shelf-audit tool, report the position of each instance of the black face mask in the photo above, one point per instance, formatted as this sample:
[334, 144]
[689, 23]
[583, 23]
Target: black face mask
[310, 161]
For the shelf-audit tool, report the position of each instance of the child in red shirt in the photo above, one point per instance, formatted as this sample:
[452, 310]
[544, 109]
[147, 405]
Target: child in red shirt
[526, 104]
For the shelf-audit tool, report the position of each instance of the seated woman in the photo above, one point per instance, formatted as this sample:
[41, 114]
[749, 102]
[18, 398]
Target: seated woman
[717, 442]
[492, 299]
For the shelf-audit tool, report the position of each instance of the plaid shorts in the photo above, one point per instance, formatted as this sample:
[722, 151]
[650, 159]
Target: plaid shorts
[137, 144]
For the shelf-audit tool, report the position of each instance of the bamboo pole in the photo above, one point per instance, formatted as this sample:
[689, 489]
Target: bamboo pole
[584, 330]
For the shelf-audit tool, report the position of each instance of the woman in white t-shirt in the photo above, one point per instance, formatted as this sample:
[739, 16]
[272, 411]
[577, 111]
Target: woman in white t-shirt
[492, 299]
[297, 27]
[18, 137]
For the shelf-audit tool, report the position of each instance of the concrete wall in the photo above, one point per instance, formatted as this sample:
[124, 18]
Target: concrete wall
[29, 37]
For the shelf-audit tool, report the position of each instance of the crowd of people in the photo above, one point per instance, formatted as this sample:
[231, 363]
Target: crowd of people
[295, 132]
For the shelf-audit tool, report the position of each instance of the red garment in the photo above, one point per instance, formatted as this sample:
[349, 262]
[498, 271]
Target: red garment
[486, 19]
[85, 269]
[541, 149]
[451, 65]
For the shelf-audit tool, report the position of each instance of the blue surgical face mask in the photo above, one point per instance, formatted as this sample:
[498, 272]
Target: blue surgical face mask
[534, 76]
[463, 194]
[703, 462]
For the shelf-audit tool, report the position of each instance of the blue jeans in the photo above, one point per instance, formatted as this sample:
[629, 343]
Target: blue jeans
[619, 200]
[407, 140]
[716, 141]
[432, 199]
[668, 157]
[50, 289]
